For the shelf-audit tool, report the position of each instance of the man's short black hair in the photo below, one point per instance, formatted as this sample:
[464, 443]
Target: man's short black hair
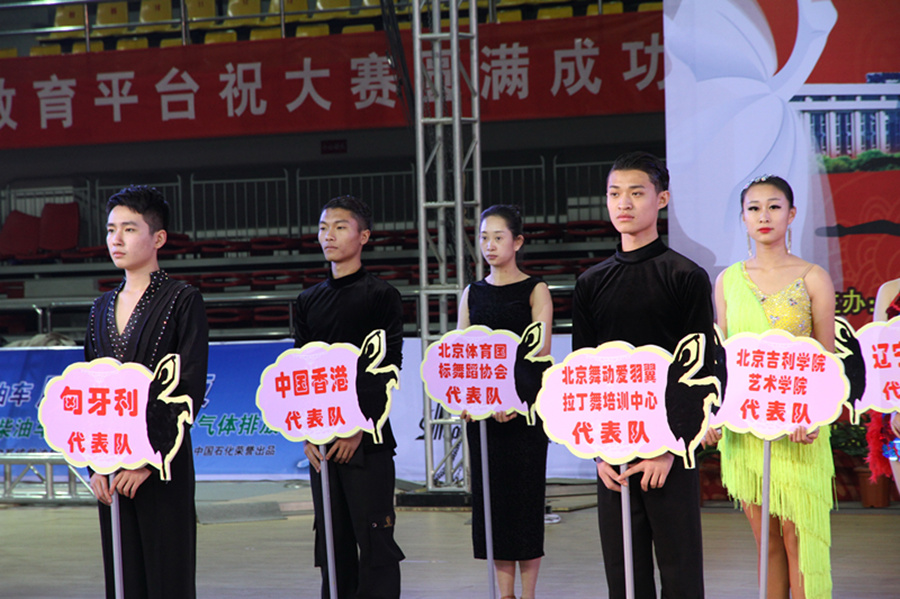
[646, 162]
[146, 201]
[361, 211]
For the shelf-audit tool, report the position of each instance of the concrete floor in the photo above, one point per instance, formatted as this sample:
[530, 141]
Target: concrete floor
[54, 552]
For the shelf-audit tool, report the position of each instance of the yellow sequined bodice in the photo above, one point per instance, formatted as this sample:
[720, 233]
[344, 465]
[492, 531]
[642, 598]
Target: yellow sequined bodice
[790, 309]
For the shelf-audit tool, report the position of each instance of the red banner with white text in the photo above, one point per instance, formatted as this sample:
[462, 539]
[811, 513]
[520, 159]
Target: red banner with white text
[610, 64]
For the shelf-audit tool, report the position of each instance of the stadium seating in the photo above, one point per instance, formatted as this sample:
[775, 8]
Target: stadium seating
[109, 15]
[132, 43]
[331, 9]
[265, 33]
[177, 244]
[152, 12]
[267, 316]
[68, 15]
[509, 16]
[554, 12]
[170, 42]
[218, 37]
[45, 50]
[312, 30]
[19, 235]
[201, 9]
[358, 28]
[372, 8]
[242, 8]
[290, 6]
[59, 227]
[220, 281]
[269, 280]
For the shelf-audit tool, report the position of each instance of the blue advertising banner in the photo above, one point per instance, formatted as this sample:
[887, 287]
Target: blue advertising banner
[230, 440]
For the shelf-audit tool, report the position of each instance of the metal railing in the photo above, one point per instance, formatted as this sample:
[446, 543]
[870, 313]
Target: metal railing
[239, 208]
[32, 201]
[524, 186]
[391, 196]
[288, 204]
[17, 488]
[581, 190]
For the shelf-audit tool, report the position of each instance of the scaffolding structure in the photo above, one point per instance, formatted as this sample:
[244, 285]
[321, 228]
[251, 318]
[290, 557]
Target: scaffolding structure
[448, 184]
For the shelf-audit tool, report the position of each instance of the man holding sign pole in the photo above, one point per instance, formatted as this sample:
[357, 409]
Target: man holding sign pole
[646, 294]
[147, 317]
[346, 307]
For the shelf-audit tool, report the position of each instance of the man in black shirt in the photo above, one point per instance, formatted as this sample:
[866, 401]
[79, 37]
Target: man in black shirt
[346, 307]
[646, 294]
[142, 320]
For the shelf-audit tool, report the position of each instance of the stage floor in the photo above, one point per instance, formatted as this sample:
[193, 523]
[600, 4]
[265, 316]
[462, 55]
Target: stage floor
[54, 552]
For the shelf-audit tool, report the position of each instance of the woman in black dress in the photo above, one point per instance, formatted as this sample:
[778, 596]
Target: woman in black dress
[509, 299]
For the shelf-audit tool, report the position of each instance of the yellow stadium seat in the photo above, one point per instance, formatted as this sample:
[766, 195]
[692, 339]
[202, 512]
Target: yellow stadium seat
[81, 47]
[403, 7]
[650, 6]
[505, 3]
[201, 9]
[153, 11]
[45, 50]
[613, 8]
[316, 30]
[8, 52]
[331, 9]
[509, 16]
[404, 25]
[218, 37]
[445, 23]
[265, 33]
[290, 6]
[69, 15]
[170, 42]
[132, 43]
[242, 8]
[555, 12]
[371, 8]
[111, 13]
[592, 10]
[361, 28]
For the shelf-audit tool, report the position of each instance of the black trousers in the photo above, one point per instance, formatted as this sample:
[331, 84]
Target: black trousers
[667, 519]
[367, 559]
[159, 535]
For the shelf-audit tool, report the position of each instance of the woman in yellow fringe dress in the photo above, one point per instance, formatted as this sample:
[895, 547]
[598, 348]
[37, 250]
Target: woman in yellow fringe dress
[775, 289]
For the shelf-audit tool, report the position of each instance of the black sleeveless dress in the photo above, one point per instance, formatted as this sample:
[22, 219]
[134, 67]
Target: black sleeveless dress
[517, 453]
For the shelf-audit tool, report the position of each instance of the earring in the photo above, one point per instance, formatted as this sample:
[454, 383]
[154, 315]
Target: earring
[789, 240]
[749, 246]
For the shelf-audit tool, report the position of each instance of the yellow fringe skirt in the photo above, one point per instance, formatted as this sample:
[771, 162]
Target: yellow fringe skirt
[800, 490]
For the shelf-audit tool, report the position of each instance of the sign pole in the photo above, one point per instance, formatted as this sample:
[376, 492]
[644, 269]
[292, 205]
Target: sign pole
[764, 529]
[488, 526]
[116, 541]
[329, 533]
[626, 537]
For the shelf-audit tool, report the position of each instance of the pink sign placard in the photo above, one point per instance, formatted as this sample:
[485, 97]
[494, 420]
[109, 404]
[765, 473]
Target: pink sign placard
[310, 393]
[107, 415]
[778, 382]
[614, 401]
[474, 369]
[879, 351]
